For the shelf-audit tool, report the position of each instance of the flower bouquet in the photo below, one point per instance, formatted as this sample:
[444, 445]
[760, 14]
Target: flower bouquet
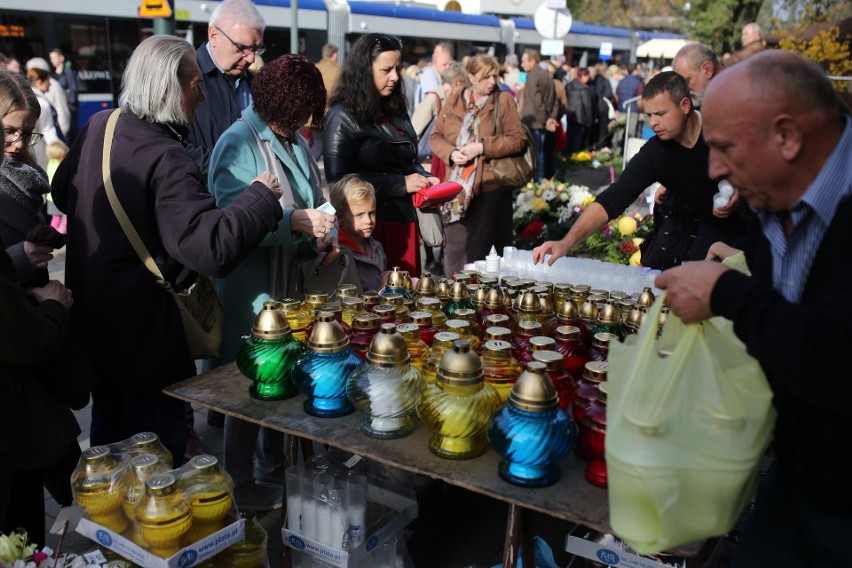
[619, 240]
[17, 552]
[546, 211]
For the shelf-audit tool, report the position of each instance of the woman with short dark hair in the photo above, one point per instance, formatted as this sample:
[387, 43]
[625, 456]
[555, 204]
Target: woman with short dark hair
[368, 133]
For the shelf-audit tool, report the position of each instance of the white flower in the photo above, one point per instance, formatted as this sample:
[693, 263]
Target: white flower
[579, 197]
[565, 213]
[549, 195]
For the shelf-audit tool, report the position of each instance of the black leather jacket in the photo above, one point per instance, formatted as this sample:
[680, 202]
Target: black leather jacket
[382, 154]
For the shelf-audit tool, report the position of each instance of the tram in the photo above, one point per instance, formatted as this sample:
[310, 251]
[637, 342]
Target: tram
[98, 35]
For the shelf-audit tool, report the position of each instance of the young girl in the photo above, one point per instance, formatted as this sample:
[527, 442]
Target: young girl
[355, 201]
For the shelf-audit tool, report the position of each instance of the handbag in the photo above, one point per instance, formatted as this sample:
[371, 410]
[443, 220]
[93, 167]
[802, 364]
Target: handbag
[307, 275]
[516, 170]
[688, 419]
[424, 148]
[200, 308]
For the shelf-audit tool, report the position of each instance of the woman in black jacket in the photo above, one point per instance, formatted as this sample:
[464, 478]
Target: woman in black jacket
[368, 133]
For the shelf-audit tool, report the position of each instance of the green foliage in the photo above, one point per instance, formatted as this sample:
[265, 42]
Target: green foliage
[718, 23]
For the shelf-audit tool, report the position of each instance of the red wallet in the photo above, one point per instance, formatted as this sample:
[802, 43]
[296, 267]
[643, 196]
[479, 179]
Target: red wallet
[436, 194]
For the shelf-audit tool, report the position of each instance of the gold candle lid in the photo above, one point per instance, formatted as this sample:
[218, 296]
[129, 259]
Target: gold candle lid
[646, 298]
[392, 299]
[463, 277]
[507, 299]
[569, 312]
[327, 336]
[409, 331]
[365, 320]
[333, 308]
[497, 320]
[442, 290]
[603, 391]
[568, 333]
[664, 315]
[385, 311]
[488, 282]
[498, 333]
[493, 299]
[625, 305]
[346, 291]
[546, 305]
[544, 284]
[465, 314]
[529, 328]
[144, 439]
[563, 288]
[595, 371]
[530, 303]
[289, 305]
[407, 282]
[553, 360]
[444, 339]
[460, 326]
[428, 304]
[589, 312]
[619, 295]
[387, 348]
[370, 299]
[609, 315]
[316, 298]
[160, 485]
[460, 366]
[534, 391]
[458, 291]
[497, 349]
[541, 343]
[396, 279]
[203, 462]
[635, 315]
[479, 294]
[422, 319]
[97, 455]
[601, 340]
[583, 288]
[599, 292]
[352, 304]
[144, 465]
[426, 285]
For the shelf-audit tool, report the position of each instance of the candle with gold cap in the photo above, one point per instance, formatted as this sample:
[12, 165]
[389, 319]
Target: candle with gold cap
[396, 283]
[531, 432]
[351, 306]
[442, 343]
[459, 298]
[209, 490]
[364, 326]
[323, 370]
[417, 348]
[563, 382]
[163, 515]
[267, 356]
[297, 318]
[426, 329]
[458, 405]
[434, 307]
[387, 388]
[499, 368]
[524, 331]
[132, 481]
[96, 488]
[426, 287]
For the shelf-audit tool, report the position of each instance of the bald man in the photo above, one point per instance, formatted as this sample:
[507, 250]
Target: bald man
[777, 132]
[752, 40]
[698, 64]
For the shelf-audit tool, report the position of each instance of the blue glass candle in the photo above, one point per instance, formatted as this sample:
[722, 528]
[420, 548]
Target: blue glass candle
[531, 433]
[397, 283]
[323, 370]
[267, 356]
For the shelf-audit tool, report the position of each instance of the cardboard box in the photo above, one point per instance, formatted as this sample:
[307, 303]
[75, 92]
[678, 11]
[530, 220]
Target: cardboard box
[190, 555]
[610, 556]
[387, 514]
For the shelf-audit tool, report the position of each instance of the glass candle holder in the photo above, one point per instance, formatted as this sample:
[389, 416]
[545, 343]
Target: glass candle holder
[351, 306]
[430, 361]
[593, 438]
[458, 405]
[524, 331]
[396, 283]
[132, 481]
[599, 351]
[96, 488]
[251, 551]
[434, 307]
[387, 388]
[458, 299]
[425, 287]
[499, 368]
[323, 370]
[609, 321]
[164, 516]
[531, 432]
[145, 443]
[209, 490]
[426, 328]
[267, 356]
[364, 327]
[416, 347]
[464, 330]
[563, 382]
[335, 309]
[587, 392]
[297, 318]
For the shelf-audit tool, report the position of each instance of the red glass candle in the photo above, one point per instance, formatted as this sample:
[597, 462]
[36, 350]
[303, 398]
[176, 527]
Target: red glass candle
[524, 331]
[594, 429]
[426, 329]
[562, 381]
[364, 326]
[587, 392]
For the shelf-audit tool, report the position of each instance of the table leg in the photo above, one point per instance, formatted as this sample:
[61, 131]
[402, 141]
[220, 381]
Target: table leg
[518, 536]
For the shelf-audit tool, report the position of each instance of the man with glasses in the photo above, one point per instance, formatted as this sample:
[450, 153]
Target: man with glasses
[234, 40]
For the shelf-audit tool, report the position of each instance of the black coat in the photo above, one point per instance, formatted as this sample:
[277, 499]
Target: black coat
[214, 115]
[579, 103]
[130, 326]
[382, 154]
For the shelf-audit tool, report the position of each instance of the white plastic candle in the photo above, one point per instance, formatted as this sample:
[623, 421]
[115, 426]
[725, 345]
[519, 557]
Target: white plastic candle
[322, 483]
[309, 505]
[356, 504]
[292, 477]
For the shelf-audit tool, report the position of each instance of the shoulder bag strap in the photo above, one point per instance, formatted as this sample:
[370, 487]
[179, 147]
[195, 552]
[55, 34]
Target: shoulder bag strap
[498, 130]
[120, 214]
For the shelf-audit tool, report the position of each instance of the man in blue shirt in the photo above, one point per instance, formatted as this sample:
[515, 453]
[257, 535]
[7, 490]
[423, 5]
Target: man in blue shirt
[234, 40]
[777, 131]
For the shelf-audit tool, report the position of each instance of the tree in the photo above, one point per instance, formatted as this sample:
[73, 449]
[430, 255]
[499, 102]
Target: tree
[718, 23]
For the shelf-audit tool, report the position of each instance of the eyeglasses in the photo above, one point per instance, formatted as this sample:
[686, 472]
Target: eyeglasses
[29, 138]
[244, 49]
[389, 43]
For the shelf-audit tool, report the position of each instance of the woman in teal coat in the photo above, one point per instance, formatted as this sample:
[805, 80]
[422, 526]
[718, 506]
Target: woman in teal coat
[286, 93]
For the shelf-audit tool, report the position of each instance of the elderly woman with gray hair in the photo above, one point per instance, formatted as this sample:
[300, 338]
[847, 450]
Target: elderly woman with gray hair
[129, 325]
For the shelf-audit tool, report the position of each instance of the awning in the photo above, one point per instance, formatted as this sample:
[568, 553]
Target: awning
[657, 48]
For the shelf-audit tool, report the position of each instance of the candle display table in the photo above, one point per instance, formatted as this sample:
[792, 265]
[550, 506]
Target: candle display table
[572, 499]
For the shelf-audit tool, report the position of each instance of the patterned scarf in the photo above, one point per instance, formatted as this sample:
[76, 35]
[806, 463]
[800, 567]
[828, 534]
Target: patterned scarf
[454, 211]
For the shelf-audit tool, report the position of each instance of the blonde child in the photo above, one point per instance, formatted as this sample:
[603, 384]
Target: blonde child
[56, 152]
[355, 201]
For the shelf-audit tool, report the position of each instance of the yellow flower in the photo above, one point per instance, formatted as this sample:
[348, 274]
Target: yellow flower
[538, 192]
[638, 241]
[581, 156]
[530, 185]
[627, 225]
[588, 200]
[636, 259]
[538, 205]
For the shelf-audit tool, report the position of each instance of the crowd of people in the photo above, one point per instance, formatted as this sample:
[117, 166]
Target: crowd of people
[213, 167]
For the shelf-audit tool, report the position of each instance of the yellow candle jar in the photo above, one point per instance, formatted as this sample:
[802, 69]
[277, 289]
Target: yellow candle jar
[458, 405]
[132, 483]
[96, 488]
[209, 491]
[163, 515]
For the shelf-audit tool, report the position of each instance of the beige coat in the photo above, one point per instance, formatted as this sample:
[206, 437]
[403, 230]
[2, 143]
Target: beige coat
[511, 141]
